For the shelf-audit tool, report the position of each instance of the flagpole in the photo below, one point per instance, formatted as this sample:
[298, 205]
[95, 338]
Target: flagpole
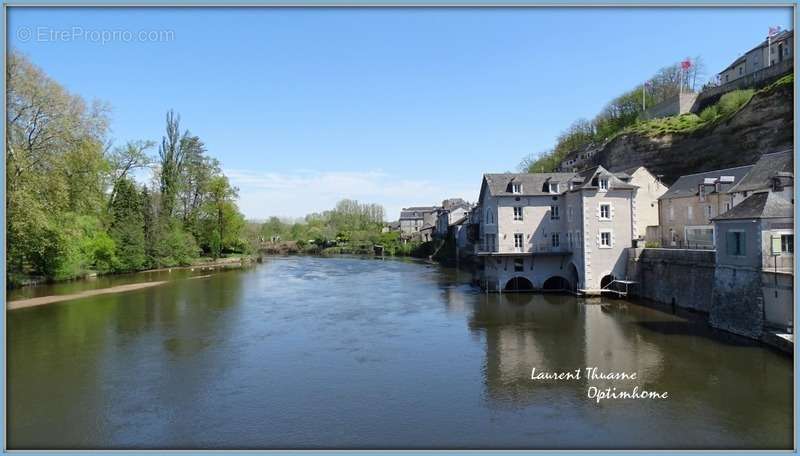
[769, 48]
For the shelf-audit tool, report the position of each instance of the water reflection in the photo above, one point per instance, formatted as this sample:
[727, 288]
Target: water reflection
[363, 353]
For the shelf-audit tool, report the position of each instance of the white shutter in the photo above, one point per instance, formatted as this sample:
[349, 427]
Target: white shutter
[611, 212]
[613, 239]
[599, 240]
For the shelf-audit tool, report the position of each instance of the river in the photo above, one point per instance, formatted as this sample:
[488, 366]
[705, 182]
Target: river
[306, 352]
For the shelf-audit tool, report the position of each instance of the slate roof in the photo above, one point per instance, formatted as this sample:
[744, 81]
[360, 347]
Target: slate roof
[688, 185]
[416, 212]
[534, 184]
[760, 205]
[767, 167]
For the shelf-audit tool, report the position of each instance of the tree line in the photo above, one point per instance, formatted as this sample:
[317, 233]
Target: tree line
[73, 205]
[620, 113]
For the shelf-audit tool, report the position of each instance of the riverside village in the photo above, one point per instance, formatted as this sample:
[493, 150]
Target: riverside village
[400, 229]
[715, 240]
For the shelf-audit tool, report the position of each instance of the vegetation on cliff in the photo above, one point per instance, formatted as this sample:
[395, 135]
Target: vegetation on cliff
[725, 109]
[72, 205]
[622, 112]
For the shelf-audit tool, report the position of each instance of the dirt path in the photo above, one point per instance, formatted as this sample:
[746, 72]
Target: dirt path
[19, 304]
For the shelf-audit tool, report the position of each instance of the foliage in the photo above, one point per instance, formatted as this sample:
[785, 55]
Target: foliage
[733, 101]
[618, 115]
[72, 206]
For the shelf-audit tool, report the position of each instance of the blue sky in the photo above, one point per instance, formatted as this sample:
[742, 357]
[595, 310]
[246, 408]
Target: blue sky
[395, 106]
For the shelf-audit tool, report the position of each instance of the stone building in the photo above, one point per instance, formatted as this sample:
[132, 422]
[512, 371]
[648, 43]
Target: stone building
[649, 190]
[413, 219]
[555, 230]
[773, 172]
[753, 279]
[686, 209]
[760, 57]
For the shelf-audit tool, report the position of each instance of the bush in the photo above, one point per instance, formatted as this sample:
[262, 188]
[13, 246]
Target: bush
[733, 101]
[652, 244]
[709, 114]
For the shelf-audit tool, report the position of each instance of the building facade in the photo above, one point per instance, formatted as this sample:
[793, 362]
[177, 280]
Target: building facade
[753, 279]
[686, 209]
[554, 230]
[769, 52]
[414, 219]
[649, 190]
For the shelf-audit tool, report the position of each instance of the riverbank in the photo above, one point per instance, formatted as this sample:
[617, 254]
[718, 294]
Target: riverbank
[40, 301]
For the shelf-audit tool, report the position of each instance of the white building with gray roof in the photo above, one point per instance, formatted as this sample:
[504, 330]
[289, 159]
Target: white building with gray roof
[555, 230]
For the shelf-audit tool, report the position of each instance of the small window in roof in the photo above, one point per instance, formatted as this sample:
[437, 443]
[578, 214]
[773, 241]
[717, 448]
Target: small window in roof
[726, 179]
[516, 187]
[553, 187]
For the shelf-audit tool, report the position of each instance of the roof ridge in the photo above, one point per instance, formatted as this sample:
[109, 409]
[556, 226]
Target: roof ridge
[715, 170]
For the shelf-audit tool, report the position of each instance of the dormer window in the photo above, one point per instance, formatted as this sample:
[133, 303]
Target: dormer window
[702, 192]
[603, 183]
[516, 188]
[553, 187]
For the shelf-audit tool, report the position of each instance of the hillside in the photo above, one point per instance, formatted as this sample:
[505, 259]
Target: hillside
[765, 124]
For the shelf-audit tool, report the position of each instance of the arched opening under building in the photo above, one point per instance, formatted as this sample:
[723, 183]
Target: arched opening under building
[556, 283]
[606, 281]
[518, 284]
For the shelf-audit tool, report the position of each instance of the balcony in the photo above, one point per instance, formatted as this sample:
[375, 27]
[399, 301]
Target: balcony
[541, 248]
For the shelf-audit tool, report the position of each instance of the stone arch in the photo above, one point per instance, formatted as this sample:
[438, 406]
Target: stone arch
[574, 276]
[557, 283]
[518, 284]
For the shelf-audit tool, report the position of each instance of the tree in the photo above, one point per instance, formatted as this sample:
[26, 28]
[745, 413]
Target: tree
[127, 227]
[172, 153]
[223, 219]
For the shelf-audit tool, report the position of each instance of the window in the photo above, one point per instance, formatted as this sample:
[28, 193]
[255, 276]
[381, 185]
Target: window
[518, 242]
[553, 187]
[489, 217]
[518, 213]
[569, 239]
[735, 242]
[603, 184]
[702, 192]
[689, 213]
[519, 264]
[605, 211]
[569, 213]
[605, 239]
[727, 207]
[741, 70]
[787, 243]
[578, 239]
[709, 212]
[553, 212]
[516, 188]
[554, 240]
[671, 212]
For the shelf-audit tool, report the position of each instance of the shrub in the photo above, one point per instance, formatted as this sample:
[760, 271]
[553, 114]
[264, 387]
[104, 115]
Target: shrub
[709, 114]
[733, 101]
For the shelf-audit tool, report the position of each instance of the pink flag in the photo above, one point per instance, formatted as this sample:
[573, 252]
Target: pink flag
[686, 64]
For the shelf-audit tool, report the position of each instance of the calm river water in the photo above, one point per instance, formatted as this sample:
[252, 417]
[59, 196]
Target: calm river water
[306, 352]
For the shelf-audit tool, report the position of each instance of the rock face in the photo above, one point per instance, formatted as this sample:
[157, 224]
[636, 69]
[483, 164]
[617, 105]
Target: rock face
[763, 125]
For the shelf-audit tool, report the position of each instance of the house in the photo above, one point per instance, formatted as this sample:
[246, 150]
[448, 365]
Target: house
[762, 177]
[769, 52]
[649, 190]
[686, 209]
[412, 219]
[452, 210]
[554, 230]
[753, 279]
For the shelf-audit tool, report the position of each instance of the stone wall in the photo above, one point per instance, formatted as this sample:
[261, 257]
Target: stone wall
[738, 303]
[679, 104]
[682, 277]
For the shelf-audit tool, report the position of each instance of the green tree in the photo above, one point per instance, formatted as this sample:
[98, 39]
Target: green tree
[127, 227]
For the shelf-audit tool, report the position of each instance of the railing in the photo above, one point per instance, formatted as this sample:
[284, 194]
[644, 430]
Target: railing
[542, 247]
[683, 245]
